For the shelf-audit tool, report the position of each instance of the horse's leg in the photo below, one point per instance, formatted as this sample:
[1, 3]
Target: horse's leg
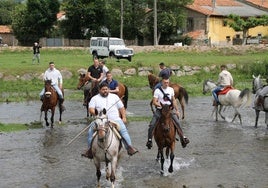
[220, 112]
[257, 112]
[170, 169]
[60, 109]
[162, 160]
[52, 117]
[113, 169]
[167, 152]
[46, 119]
[182, 107]
[98, 172]
[266, 119]
[216, 112]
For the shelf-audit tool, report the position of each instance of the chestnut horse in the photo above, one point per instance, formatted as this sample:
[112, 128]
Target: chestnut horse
[179, 91]
[50, 100]
[165, 136]
[106, 146]
[123, 90]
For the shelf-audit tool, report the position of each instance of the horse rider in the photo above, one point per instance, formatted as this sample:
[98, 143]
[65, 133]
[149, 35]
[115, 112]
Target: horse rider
[55, 76]
[165, 95]
[261, 95]
[225, 79]
[105, 69]
[95, 74]
[114, 106]
[165, 72]
[112, 83]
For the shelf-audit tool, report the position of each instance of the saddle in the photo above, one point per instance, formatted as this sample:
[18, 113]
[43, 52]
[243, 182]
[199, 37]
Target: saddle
[225, 90]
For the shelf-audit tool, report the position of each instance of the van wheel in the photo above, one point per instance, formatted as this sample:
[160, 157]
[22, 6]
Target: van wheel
[129, 58]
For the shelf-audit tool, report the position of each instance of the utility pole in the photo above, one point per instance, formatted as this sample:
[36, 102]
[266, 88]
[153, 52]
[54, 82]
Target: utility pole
[155, 23]
[122, 19]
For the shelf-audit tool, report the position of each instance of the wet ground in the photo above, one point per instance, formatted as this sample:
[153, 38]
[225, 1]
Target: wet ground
[220, 154]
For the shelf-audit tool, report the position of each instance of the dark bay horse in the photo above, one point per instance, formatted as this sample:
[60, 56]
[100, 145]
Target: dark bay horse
[106, 146]
[165, 136]
[123, 90]
[180, 92]
[50, 101]
[257, 86]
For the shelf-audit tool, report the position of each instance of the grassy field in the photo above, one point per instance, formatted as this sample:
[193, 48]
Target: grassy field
[18, 61]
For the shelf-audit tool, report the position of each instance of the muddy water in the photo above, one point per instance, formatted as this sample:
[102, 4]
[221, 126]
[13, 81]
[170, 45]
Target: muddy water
[221, 154]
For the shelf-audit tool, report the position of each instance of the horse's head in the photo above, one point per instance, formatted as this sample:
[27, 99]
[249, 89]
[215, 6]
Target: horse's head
[102, 124]
[256, 83]
[153, 80]
[48, 88]
[82, 80]
[208, 85]
[166, 116]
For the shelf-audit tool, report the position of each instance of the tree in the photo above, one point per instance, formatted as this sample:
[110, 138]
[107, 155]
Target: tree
[244, 24]
[6, 8]
[34, 20]
[170, 18]
[84, 18]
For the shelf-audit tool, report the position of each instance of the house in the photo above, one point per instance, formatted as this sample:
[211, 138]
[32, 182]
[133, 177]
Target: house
[7, 36]
[206, 20]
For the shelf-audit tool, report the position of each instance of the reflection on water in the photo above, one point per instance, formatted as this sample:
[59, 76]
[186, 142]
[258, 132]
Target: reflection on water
[220, 154]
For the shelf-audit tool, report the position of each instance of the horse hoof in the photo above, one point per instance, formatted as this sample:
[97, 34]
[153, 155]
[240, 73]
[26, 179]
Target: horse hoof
[59, 122]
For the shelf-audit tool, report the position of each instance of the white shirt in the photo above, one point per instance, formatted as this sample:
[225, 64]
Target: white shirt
[225, 78]
[159, 95]
[104, 70]
[54, 75]
[111, 103]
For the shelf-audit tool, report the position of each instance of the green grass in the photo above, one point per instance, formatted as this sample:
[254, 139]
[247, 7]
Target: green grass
[18, 61]
[12, 127]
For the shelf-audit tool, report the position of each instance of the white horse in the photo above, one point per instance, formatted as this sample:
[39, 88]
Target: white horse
[256, 88]
[233, 97]
[106, 146]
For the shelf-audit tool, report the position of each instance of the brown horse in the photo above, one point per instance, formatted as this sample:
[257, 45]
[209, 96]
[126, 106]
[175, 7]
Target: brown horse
[180, 92]
[123, 90]
[165, 136]
[50, 100]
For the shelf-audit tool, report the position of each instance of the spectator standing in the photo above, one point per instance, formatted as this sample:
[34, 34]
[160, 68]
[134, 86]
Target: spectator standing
[36, 52]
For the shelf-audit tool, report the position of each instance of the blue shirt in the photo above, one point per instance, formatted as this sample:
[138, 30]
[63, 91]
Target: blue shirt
[112, 85]
[165, 73]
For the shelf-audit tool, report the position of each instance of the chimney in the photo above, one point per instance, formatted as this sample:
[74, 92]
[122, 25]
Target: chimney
[213, 4]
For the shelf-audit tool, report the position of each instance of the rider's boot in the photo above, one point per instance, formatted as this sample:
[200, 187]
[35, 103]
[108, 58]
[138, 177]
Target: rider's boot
[61, 105]
[214, 103]
[131, 150]
[184, 140]
[149, 143]
[88, 154]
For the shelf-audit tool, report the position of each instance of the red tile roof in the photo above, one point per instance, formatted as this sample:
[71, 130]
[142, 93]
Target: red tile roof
[261, 3]
[5, 29]
[226, 7]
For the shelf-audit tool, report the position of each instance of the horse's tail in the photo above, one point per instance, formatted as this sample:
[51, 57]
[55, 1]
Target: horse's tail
[185, 94]
[246, 93]
[125, 98]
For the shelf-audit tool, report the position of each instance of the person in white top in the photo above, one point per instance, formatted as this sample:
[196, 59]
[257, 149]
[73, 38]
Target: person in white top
[225, 79]
[55, 76]
[165, 95]
[114, 106]
[105, 69]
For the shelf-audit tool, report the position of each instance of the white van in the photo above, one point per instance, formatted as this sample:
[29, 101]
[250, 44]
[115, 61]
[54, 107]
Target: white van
[102, 47]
